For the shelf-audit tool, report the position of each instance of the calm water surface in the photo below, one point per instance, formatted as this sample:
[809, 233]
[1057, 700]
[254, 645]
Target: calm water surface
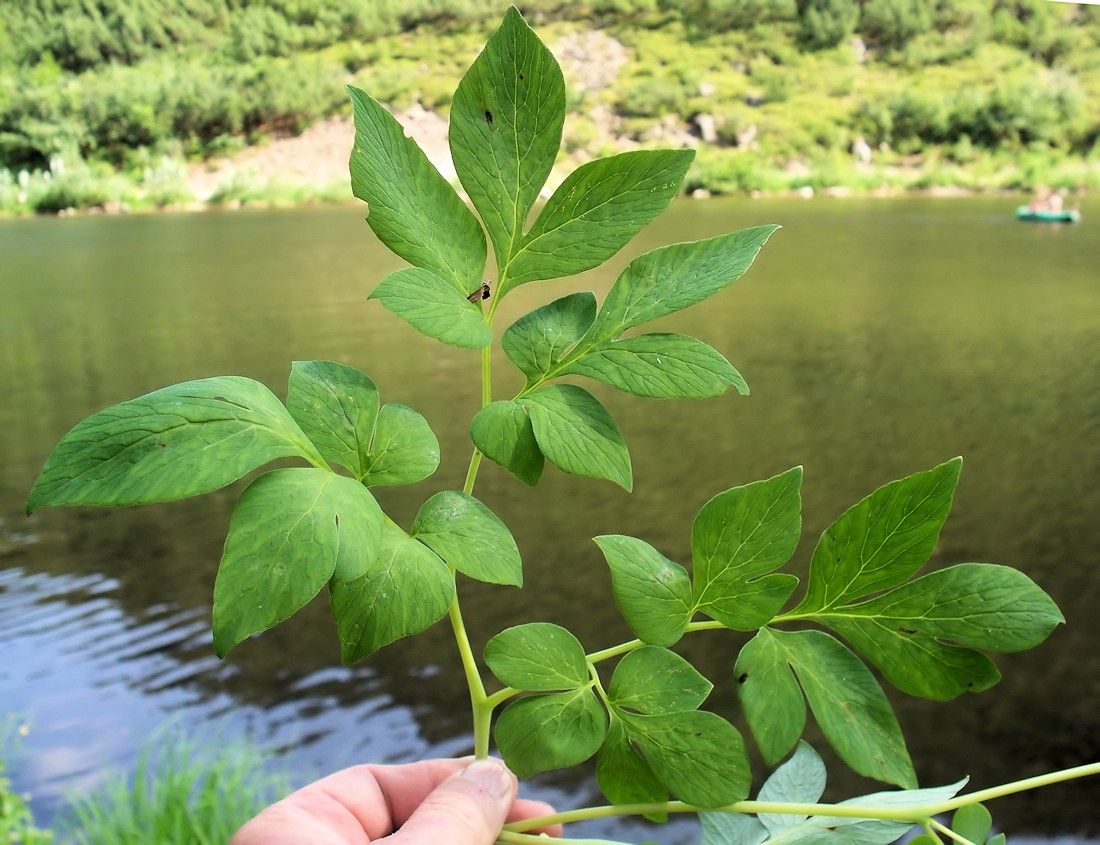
[879, 338]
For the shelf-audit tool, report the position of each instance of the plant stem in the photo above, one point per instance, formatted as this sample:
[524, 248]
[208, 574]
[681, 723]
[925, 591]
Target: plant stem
[949, 833]
[921, 814]
[623, 648]
[480, 703]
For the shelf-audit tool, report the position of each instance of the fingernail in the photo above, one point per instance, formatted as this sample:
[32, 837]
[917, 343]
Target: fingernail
[490, 775]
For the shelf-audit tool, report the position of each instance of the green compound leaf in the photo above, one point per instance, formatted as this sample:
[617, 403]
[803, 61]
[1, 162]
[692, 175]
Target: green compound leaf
[698, 756]
[176, 442]
[624, 777]
[849, 706]
[552, 731]
[652, 592]
[923, 635]
[432, 306]
[502, 432]
[470, 537]
[597, 210]
[403, 449]
[577, 434]
[770, 696]
[405, 589]
[291, 531]
[660, 366]
[738, 537]
[674, 277]
[880, 542]
[538, 657]
[337, 407]
[537, 341]
[653, 681]
[506, 122]
[413, 209]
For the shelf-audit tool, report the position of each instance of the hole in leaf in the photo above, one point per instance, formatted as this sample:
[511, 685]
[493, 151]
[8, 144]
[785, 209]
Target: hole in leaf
[488, 117]
[744, 677]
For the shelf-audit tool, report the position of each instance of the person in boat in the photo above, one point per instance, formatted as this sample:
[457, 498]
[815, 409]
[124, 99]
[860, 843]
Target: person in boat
[1047, 201]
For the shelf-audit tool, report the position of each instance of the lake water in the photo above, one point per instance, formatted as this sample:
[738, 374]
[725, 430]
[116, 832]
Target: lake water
[879, 338]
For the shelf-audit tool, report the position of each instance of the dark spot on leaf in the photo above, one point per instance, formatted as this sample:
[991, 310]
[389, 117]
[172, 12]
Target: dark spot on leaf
[744, 677]
[488, 117]
[907, 630]
[337, 520]
[163, 445]
[521, 77]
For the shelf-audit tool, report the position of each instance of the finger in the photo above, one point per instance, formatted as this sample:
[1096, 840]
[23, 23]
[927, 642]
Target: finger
[343, 807]
[468, 808]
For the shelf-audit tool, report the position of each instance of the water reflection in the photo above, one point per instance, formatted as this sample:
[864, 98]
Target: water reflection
[879, 338]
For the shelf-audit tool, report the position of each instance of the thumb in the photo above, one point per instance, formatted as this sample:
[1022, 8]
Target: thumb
[469, 808]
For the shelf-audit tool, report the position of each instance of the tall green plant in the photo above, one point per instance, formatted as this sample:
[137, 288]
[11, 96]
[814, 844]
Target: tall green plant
[635, 706]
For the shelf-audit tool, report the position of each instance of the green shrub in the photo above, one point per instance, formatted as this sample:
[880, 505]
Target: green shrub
[893, 23]
[826, 23]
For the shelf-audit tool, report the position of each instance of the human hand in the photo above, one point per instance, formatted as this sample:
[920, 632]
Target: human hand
[432, 802]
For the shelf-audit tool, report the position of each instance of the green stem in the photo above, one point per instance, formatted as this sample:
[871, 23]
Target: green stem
[948, 832]
[480, 704]
[916, 815]
[623, 648]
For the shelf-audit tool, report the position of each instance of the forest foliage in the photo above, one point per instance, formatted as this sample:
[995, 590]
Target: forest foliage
[119, 83]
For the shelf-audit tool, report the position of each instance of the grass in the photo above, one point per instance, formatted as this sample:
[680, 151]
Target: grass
[181, 793]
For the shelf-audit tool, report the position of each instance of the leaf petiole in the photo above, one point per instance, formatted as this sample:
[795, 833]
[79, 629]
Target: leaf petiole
[948, 832]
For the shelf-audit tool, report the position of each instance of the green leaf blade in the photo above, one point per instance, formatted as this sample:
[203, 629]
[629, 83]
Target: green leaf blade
[597, 210]
[654, 681]
[924, 634]
[180, 441]
[550, 731]
[432, 306]
[624, 777]
[413, 210]
[469, 537]
[506, 123]
[502, 432]
[577, 434]
[849, 706]
[537, 341]
[770, 696]
[336, 406]
[538, 657]
[291, 531]
[698, 756]
[405, 589]
[652, 592]
[800, 780]
[660, 366]
[403, 449]
[882, 540]
[671, 278]
[739, 537]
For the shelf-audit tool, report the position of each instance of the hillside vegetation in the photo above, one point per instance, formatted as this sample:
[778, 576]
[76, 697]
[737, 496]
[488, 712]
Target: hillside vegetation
[106, 100]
